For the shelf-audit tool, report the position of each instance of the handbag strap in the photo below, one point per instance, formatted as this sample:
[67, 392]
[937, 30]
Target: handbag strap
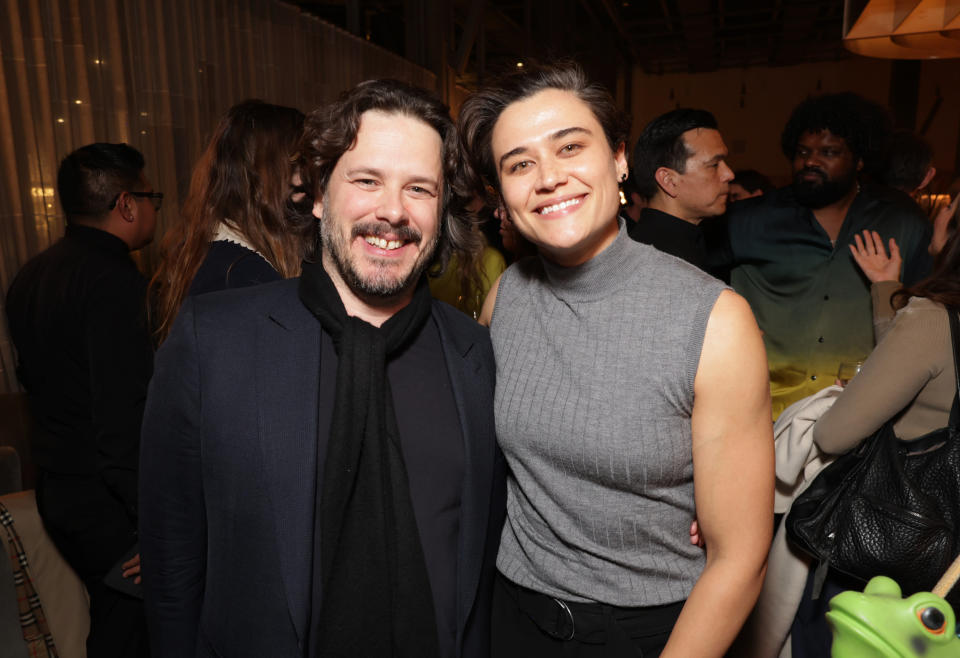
[954, 317]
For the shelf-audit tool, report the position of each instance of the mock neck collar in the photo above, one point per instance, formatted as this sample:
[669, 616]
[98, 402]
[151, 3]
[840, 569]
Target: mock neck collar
[592, 279]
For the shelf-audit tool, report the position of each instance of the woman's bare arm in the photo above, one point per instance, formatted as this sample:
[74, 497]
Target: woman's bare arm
[733, 468]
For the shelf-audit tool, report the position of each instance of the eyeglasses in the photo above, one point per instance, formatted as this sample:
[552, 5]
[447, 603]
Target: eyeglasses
[155, 197]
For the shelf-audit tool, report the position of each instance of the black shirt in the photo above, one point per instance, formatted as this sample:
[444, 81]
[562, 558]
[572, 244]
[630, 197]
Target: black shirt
[671, 235]
[77, 318]
[811, 300]
[432, 445]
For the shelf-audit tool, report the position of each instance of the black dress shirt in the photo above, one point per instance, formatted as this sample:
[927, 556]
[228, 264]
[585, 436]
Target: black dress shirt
[809, 297]
[671, 235]
[77, 318]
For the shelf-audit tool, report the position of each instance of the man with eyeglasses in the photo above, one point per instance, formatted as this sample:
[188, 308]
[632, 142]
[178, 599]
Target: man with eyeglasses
[77, 318]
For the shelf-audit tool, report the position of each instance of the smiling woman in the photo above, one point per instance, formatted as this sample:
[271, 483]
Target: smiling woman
[558, 175]
[624, 375]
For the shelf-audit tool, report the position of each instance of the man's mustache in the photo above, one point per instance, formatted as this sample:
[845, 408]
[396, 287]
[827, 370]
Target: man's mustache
[384, 230]
[812, 170]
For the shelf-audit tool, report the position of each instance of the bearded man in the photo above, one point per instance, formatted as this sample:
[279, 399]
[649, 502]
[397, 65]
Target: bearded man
[320, 469]
[791, 249]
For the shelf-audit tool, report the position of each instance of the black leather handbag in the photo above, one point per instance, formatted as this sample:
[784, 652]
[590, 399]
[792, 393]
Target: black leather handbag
[888, 507]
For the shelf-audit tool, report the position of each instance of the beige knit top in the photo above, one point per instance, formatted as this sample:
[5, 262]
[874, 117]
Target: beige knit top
[911, 369]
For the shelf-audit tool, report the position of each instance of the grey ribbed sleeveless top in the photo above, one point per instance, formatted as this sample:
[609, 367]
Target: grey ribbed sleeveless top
[595, 370]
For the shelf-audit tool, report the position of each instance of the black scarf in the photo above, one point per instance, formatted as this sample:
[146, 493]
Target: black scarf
[374, 585]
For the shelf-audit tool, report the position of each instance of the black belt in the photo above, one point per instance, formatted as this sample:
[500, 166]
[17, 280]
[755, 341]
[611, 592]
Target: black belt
[585, 622]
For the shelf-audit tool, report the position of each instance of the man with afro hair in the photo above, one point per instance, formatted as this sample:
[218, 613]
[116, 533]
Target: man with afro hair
[793, 249]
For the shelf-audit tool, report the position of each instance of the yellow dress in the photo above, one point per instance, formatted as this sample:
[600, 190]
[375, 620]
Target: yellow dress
[447, 286]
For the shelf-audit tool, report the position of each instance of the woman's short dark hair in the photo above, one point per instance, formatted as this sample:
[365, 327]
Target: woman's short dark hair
[661, 145]
[480, 111]
[91, 177]
[864, 125]
[331, 131]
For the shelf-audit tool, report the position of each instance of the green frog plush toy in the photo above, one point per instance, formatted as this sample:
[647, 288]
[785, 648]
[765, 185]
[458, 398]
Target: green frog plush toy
[881, 623]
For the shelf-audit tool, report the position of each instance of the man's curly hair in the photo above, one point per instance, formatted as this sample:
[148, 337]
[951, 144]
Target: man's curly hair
[863, 124]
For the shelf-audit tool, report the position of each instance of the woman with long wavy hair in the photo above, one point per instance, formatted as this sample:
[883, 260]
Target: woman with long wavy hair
[241, 224]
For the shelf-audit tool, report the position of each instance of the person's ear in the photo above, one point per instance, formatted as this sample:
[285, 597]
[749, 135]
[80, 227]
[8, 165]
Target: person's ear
[318, 208]
[127, 206]
[621, 159]
[931, 172]
[668, 180]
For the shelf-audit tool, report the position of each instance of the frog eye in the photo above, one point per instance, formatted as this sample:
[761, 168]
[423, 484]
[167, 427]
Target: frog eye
[933, 620]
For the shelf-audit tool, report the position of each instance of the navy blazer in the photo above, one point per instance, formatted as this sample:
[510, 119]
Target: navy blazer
[228, 476]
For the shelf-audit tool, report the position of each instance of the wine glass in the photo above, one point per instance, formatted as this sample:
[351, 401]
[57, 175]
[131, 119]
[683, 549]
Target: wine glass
[847, 371]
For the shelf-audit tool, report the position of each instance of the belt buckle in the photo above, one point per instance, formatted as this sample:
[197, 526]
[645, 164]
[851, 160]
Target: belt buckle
[565, 608]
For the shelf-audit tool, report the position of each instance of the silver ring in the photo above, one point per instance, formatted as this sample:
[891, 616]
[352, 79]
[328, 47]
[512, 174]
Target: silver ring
[566, 609]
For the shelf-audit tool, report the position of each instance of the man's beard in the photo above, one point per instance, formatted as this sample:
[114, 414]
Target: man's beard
[816, 194]
[384, 282]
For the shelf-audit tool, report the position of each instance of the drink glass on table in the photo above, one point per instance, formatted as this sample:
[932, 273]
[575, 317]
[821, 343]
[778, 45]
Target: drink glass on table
[847, 371]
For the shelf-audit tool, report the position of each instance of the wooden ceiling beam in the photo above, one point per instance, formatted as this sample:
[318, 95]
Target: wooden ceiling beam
[798, 26]
[697, 17]
[470, 30]
[618, 26]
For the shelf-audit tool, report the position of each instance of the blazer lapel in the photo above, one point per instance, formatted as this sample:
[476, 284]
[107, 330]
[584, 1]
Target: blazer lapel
[288, 366]
[473, 393]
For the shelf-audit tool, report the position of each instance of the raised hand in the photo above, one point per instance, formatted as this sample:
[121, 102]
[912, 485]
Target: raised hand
[941, 225]
[872, 257]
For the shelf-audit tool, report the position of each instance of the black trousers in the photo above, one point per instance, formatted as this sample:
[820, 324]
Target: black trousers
[527, 624]
[810, 635]
[91, 530]
[118, 625]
